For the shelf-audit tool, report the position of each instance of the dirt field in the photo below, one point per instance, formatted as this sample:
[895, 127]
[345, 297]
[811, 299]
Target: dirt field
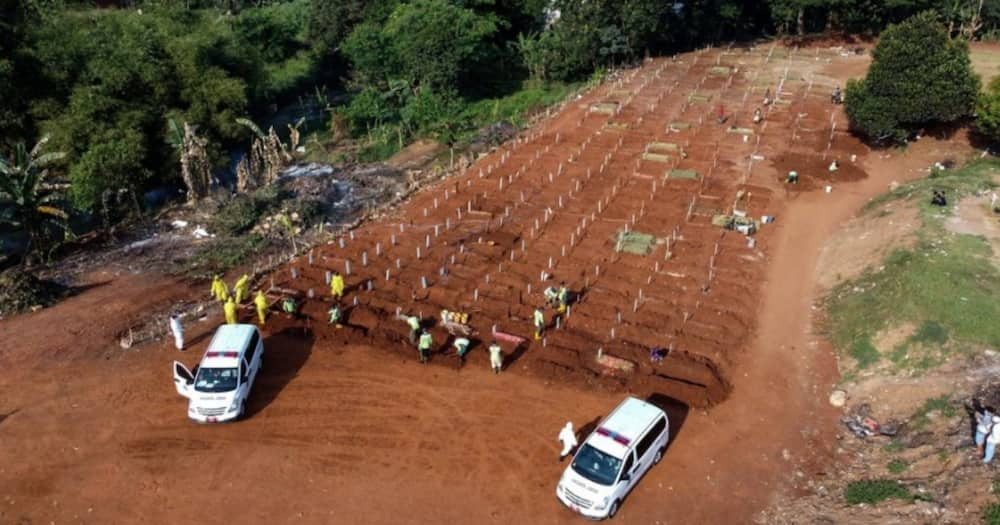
[345, 426]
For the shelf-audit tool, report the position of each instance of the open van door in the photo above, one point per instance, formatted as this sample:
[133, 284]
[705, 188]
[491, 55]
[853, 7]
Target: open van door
[183, 379]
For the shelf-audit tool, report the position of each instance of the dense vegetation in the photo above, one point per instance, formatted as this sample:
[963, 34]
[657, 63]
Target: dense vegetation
[112, 84]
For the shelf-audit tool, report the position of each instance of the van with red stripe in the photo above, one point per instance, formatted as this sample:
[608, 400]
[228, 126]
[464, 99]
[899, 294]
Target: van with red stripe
[217, 389]
[613, 458]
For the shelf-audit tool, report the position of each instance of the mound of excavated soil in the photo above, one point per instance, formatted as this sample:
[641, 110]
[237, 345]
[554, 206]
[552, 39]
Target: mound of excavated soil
[814, 172]
[21, 291]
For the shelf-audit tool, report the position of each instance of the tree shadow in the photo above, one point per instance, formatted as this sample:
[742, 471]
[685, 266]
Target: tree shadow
[285, 353]
[676, 413]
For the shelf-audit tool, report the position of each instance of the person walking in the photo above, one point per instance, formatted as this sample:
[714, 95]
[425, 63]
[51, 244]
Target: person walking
[539, 322]
[414, 323]
[177, 330]
[337, 285]
[242, 288]
[425, 346]
[984, 420]
[219, 289]
[496, 357]
[229, 308]
[335, 315]
[461, 345]
[261, 303]
[568, 439]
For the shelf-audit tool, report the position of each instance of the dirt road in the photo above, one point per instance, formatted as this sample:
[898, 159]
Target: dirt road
[344, 429]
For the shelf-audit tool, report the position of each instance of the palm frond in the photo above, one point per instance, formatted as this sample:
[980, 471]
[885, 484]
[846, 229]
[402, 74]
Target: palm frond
[253, 127]
[48, 158]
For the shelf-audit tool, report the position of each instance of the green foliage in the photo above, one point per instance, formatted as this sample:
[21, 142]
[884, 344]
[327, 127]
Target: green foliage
[918, 76]
[945, 285]
[897, 466]
[893, 447]
[236, 216]
[220, 255]
[988, 111]
[872, 491]
[434, 115]
[108, 165]
[30, 199]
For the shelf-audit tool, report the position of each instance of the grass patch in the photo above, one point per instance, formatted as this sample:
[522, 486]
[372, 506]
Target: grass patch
[946, 285]
[941, 405]
[991, 514]
[893, 447]
[220, 255]
[897, 466]
[517, 107]
[864, 352]
[872, 491]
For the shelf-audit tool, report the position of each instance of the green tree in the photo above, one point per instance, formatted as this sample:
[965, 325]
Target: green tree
[988, 111]
[918, 76]
[30, 200]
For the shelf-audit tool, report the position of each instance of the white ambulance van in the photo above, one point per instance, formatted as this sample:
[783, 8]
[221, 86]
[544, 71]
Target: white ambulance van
[613, 458]
[217, 389]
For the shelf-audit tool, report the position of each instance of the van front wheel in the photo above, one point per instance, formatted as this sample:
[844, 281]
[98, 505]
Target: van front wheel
[659, 456]
[613, 510]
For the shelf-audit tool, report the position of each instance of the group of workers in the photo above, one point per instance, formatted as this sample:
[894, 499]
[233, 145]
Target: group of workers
[241, 291]
[555, 297]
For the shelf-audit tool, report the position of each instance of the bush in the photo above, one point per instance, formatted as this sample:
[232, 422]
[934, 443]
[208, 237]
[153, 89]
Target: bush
[236, 216]
[220, 255]
[897, 466]
[875, 490]
[918, 76]
[21, 291]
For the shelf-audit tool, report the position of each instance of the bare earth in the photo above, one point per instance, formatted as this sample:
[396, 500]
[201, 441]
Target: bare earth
[349, 428]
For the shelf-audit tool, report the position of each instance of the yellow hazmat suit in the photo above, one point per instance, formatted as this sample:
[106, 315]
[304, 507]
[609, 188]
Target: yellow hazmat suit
[261, 302]
[242, 288]
[230, 310]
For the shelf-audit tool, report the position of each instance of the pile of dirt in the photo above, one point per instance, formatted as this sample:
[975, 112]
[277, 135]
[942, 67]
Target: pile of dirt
[21, 291]
[814, 170]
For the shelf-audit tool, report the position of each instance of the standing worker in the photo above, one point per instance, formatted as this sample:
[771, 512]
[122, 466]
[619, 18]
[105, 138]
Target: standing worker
[290, 306]
[337, 285]
[425, 345]
[219, 289]
[335, 314]
[414, 323]
[261, 302]
[984, 420]
[242, 288]
[539, 322]
[496, 357]
[461, 345]
[177, 330]
[992, 438]
[230, 310]
[568, 439]
[563, 297]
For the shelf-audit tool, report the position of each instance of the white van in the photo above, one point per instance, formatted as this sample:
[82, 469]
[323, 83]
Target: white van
[218, 387]
[613, 458]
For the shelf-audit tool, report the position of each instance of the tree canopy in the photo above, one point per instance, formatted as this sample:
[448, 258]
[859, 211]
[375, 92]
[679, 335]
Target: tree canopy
[918, 76]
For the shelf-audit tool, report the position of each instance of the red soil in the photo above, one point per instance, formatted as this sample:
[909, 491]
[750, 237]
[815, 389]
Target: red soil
[345, 426]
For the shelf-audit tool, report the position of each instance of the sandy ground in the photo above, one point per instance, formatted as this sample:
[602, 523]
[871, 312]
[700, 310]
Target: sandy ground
[347, 432]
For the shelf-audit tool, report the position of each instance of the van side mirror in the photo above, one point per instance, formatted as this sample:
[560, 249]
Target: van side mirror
[626, 477]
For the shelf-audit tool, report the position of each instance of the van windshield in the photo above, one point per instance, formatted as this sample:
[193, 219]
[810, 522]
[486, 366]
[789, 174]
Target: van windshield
[216, 379]
[596, 465]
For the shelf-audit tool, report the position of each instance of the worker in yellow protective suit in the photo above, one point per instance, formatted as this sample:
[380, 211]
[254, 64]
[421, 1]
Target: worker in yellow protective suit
[539, 322]
[563, 298]
[261, 303]
[242, 288]
[229, 308]
[219, 289]
[337, 285]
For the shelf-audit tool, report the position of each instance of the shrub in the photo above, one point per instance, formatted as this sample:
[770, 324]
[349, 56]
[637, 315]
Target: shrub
[875, 490]
[918, 76]
[897, 466]
[991, 514]
[236, 216]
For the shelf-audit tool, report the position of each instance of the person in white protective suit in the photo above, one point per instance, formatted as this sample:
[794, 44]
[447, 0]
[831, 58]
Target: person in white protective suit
[177, 330]
[568, 439]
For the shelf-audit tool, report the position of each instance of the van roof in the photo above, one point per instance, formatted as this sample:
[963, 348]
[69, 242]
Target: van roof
[228, 345]
[624, 426]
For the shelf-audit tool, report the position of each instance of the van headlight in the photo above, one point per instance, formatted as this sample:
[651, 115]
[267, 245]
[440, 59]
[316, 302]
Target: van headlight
[559, 488]
[603, 504]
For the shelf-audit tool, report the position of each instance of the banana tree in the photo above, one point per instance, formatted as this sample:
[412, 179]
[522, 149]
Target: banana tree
[30, 200]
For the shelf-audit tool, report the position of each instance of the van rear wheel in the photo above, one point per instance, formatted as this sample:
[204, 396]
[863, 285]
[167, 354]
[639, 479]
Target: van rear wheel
[659, 456]
[613, 510]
